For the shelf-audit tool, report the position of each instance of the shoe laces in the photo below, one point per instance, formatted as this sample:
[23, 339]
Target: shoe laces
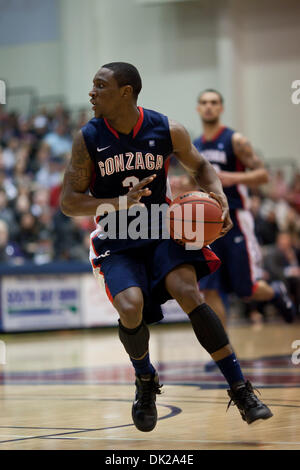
[244, 395]
[146, 390]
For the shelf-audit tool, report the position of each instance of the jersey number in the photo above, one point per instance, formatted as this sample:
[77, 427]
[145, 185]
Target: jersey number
[130, 181]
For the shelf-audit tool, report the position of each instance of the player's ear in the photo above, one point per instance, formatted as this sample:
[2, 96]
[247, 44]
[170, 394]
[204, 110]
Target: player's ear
[127, 91]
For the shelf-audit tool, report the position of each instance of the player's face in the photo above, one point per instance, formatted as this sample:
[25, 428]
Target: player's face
[105, 95]
[210, 107]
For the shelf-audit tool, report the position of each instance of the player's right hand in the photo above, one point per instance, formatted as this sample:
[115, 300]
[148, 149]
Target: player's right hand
[227, 222]
[138, 191]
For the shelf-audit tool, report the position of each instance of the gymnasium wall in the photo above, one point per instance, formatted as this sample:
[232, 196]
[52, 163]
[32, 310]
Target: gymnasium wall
[32, 65]
[250, 50]
[270, 61]
[30, 45]
[174, 47]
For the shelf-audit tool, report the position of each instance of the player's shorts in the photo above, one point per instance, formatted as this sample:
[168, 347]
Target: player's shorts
[241, 258]
[144, 264]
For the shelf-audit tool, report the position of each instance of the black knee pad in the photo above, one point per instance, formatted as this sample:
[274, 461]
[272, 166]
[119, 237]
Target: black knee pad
[208, 328]
[135, 341]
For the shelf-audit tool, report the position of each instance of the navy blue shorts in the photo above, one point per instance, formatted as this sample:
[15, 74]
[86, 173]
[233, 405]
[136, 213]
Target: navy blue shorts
[145, 265]
[240, 256]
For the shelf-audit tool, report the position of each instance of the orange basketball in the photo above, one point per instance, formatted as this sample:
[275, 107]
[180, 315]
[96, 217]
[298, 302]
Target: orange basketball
[194, 218]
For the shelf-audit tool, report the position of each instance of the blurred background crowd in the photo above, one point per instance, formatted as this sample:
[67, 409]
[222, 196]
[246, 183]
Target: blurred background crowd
[34, 152]
[33, 155]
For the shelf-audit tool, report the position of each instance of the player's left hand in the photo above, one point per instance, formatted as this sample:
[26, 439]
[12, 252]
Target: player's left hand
[227, 222]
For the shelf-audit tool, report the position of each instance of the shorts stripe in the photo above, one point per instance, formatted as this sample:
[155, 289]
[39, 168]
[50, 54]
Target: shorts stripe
[213, 262]
[97, 273]
[108, 292]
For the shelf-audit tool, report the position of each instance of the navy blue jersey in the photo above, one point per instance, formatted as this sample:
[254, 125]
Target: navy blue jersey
[122, 160]
[219, 152]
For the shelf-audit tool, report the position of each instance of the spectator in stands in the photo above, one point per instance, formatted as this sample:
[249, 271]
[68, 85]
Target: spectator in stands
[40, 201]
[278, 187]
[267, 227]
[10, 127]
[294, 193]
[44, 248]
[256, 201]
[50, 173]
[26, 134]
[9, 155]
[42, 159]
[68, 237]
[82, 119]
[22, 204]
[40, 124]
[282, 261]
[21, 161]
[59, 140]
[45, 226]
[292, 225]
[9, 251]
[6, 212]
[60, 116]
[8, 186]
[28, 235]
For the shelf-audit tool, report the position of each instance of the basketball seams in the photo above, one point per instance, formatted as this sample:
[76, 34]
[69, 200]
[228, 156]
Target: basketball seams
[199, 221]
[206, 201]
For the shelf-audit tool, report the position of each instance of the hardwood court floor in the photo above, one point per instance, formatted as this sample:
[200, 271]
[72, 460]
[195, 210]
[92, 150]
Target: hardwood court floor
[73, 390]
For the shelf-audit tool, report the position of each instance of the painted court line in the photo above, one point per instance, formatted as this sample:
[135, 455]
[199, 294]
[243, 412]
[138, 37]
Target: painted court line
[174, 410]
[41, 427]
[199, 441]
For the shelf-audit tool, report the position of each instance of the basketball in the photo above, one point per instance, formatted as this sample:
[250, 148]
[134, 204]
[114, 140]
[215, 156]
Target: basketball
[194, 218]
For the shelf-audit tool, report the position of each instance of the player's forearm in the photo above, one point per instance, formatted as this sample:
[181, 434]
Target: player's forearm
[249, 178]
[78, 204]
[256, 177]
[208, 179]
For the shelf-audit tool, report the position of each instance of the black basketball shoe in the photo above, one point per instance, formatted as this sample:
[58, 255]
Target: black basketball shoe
[144, 413]
[250, 407]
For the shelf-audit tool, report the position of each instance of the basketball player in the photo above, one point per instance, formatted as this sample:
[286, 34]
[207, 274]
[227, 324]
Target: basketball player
[231, 155]
[124, 151]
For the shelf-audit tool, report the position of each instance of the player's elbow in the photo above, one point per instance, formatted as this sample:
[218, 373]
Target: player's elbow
[65, 205]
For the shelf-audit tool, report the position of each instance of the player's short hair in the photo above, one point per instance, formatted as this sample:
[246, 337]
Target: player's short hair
[126, 74]
[211, 90]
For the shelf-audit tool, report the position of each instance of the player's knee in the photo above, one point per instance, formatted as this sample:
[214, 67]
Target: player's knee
[129, 304]
[130, 312]
[188, 296]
